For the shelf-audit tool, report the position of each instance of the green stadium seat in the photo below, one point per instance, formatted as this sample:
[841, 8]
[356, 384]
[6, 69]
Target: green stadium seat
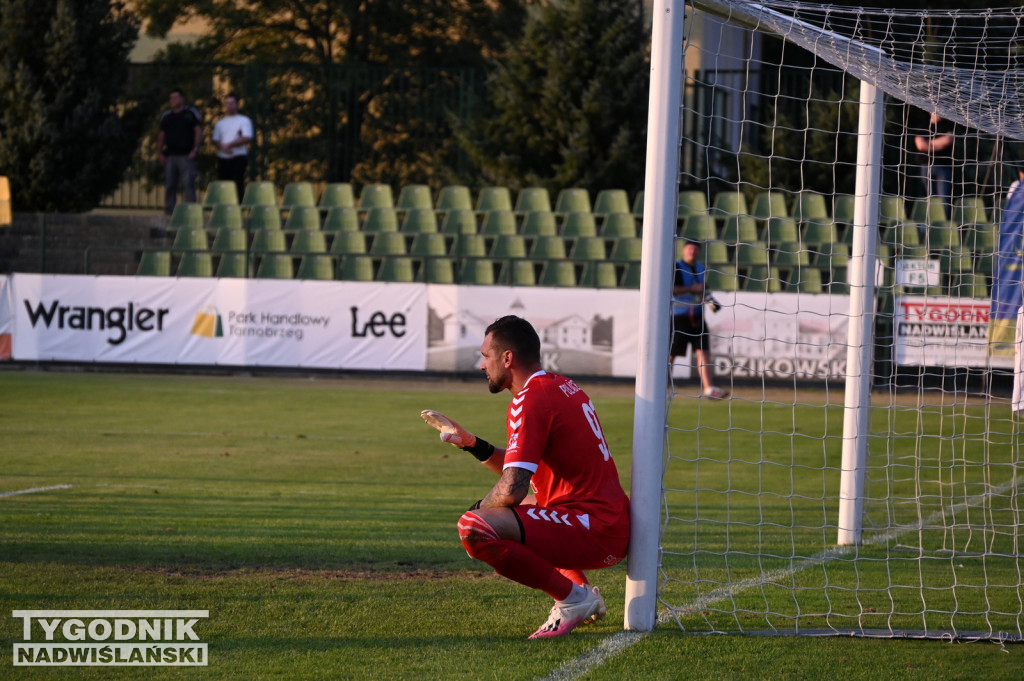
[547, 247]
[531, 199]
[234, 266]
[226, 215]
[260, 194]
[980, 239]
[579, 225]
[154, 264]
[739, 229]
[298, 194]
[346, 243]
[729, 204]
[477, 272]
[955, 261]
[381, 219]
[188, 239]
[809, 205]
[420, 221]
[414, 196]
[469, 246]
[318, 267]
[303, 218]
[805, 280]
[498, 222]
[573, 200]
[779, 230]
[559, 273]
[968, 285]
[762, 279]
[493, 198]
[842, 211]
[588, 248]
[539, 223]
[376, 196]
[970, 210]
[454, 197]
[437, 271]
[459, 221]
[268, 240]
[276, 266]
[509, 246]
[518, 273]
[769, 205]
[638, 204]
[264, 217]
[790, 254]
[831, 256]
[939, 239]
[618, 226]
[930, 211]
[397, 269]
[186, 216]
[722, 278]
[599, 275]
[699, 228]
[630, 276]
[308, 241]
[611, 201]
[341, 219]
[817, 231]
[228, 239]
[337, 195]
[691, 203]
[356, 268]
[626, 250]
[427, 244]
[902, 234]
[388, 243]
[752, 255]
[221, 193]
[714, 253]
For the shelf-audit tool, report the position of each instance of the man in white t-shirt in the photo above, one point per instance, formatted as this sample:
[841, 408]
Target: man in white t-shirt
[232, 135]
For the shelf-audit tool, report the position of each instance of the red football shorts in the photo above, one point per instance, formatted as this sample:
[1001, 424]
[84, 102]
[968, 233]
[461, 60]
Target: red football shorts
[560, 535]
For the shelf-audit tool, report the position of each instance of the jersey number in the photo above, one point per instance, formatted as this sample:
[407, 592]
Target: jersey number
[595, 425]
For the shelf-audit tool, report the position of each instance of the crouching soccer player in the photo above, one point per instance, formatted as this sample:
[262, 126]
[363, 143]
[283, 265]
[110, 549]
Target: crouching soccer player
[578, 516]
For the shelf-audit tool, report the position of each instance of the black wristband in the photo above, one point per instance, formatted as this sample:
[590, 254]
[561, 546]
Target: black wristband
[482, 449]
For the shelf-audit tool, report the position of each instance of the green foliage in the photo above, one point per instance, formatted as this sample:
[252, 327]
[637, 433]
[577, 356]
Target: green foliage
[66, 130]
[567, 107]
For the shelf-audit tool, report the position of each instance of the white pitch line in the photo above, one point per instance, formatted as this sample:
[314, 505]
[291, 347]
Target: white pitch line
[624, 640]
[33, 489]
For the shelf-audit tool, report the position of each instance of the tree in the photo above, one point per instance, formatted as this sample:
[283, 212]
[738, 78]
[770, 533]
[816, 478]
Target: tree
[568, 105]
[66, 130]
[342, 75]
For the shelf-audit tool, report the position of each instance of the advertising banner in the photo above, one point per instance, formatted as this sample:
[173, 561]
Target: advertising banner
[582, 331]
[242, 322]
[779, 336]
[5, 318]
[934, 331]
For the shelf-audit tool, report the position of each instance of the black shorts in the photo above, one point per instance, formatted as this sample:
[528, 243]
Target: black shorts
[687, 333]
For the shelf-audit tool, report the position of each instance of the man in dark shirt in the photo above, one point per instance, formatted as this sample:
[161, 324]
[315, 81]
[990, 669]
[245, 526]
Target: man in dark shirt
[938, 145]
[180, 133]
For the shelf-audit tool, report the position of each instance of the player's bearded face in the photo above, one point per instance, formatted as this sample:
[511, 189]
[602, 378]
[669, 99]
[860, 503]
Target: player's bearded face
[491, 364]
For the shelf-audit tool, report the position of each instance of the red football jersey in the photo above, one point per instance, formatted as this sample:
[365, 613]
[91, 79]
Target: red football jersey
[554, 432]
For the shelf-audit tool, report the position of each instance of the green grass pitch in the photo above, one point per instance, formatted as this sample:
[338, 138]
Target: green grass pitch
[315, 520]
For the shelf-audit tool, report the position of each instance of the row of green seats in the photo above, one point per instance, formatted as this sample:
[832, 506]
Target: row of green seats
[391, 268]
[417, 220]
[410, 197]
[810, 205]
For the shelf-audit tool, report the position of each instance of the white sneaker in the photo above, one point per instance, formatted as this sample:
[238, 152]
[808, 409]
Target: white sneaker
[565, 617]
[714, 393]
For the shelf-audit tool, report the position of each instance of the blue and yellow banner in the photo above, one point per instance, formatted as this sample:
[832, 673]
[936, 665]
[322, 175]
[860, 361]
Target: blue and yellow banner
[1008, 269]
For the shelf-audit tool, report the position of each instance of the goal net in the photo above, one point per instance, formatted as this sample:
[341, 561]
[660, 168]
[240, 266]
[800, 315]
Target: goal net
[846, 174]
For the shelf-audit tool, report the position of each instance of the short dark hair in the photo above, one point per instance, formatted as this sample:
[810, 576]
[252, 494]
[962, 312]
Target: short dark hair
[516, 334]
[179, 91]
[231, 95]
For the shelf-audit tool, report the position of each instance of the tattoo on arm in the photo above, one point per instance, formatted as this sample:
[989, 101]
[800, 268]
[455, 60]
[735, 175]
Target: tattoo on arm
[510, 490]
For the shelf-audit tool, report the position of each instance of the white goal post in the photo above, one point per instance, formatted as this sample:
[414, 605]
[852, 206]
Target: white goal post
[841, 259]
